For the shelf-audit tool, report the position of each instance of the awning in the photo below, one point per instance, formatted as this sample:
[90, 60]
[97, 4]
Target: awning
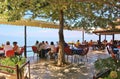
[107, 32]
[34, 23]
[37, 23]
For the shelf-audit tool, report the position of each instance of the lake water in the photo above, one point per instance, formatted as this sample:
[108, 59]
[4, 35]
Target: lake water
[16, 33]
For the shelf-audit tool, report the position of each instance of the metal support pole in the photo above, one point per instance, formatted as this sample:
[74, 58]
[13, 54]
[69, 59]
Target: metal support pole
[105, 37]
[99, 37]
[82, 35]
[113, 37]
[25, 39]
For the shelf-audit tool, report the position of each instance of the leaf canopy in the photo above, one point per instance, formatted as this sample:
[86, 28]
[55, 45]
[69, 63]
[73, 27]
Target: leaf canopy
[85, 14]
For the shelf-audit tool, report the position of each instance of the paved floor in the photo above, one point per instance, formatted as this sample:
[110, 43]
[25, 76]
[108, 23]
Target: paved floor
[40, 68]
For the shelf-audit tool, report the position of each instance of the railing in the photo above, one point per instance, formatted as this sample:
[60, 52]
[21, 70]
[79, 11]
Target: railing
[7, 67]
[27, 47]
[19, 71]
[18, 74]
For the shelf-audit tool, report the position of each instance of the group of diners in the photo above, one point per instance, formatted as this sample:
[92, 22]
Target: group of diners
[45, 49]
[97, 44]
[8, 47]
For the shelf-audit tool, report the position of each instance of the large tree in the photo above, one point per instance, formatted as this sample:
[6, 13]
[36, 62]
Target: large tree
[72, 13]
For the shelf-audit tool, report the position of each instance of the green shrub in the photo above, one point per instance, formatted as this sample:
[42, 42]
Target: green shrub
[108, 63]
[109, 77]
[11, 62]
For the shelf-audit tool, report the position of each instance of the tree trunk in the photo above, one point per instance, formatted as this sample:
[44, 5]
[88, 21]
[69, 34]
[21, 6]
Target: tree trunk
[61, 56]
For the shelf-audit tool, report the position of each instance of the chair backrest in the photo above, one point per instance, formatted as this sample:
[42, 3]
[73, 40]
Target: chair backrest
[9, 53]
[85, 51]
[34, 49]
[113, 55]
[108, 50]
[67, 50]
[1, 48]
[118, 46]
[57, 49]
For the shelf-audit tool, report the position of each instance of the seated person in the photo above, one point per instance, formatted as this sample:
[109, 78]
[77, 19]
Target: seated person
[37, 44]
[52, 51]
[47, 46]
[7, 47]
[2, 46]
[118, 45]
[90, 43]
[113, 46]
[104, 42]
[77, 43]
[16, 48]
[85, 42]
[42, 49]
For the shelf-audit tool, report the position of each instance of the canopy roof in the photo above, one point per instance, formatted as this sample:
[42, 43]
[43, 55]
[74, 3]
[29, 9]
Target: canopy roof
[34, 23]
[107, 32]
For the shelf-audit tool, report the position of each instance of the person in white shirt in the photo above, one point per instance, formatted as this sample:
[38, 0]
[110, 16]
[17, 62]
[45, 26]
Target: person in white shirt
[47, 46]
[7, 47]
[52, 51]
[37, 44]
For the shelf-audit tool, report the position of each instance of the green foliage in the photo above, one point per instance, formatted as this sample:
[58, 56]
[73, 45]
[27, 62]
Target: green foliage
[12, 62]
[84, 14]
[118, 76]
[108, 63]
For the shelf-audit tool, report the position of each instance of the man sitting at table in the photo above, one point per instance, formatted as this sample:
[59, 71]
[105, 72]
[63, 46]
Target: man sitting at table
[16, 48]
[52, 52]
[113, 46]
[77, 43]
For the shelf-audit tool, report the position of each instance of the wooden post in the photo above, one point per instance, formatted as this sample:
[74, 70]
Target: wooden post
[17, 71]
[25, 39]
